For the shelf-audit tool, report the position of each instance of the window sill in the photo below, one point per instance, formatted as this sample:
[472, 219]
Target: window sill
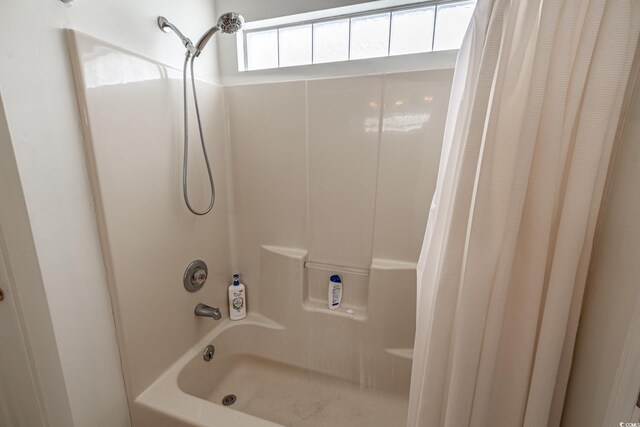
[391, 64]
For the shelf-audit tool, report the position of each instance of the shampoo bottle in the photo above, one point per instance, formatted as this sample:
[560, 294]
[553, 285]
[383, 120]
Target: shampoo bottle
[237, 299]
[335, 291]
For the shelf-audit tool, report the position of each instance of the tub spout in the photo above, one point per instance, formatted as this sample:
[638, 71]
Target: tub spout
[206, 311]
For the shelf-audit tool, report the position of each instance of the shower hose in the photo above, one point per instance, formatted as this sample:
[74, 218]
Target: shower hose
[185, 164]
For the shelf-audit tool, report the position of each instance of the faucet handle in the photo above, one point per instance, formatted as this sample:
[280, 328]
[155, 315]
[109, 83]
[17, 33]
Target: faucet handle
[199, 277]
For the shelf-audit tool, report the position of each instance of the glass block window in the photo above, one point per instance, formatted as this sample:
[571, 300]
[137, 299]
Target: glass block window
[382, 30]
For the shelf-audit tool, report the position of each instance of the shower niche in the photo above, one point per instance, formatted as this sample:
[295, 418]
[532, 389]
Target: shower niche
[355, 290]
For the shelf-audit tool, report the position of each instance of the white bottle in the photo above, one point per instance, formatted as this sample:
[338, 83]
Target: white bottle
[237, 299]
[335, 292]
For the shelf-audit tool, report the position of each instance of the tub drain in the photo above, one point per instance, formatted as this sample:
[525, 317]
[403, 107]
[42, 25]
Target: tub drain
[229, 399]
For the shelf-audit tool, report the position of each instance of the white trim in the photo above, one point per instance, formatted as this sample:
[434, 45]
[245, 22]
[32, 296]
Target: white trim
[31, 384]
[331, 13]
[623, 395]
[439, 60]
[626, 384]
[240, 50]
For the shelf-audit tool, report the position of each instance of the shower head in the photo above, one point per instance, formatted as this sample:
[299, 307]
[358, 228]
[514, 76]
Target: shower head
[228, 23]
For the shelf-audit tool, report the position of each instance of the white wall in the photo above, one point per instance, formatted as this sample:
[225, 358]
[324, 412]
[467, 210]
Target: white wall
[612, 287]
[40, 102]
[26, 329]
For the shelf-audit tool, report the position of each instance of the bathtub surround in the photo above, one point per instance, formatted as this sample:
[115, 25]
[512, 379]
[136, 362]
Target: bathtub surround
[312, 173]
[505, 257]
[132, 110]
[329, 181]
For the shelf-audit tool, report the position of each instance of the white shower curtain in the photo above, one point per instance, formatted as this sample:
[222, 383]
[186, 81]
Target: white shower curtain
[536, 100]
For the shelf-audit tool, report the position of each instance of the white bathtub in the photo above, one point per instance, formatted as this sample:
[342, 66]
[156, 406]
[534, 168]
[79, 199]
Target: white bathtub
[260, 362]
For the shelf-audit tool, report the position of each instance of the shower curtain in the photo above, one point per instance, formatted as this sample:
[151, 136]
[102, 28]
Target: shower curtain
[536, 100]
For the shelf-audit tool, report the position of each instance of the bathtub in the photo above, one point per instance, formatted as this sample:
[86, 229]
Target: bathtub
[277, 381]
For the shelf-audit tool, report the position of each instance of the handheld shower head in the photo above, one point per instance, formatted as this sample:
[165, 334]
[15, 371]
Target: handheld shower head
[228, 23]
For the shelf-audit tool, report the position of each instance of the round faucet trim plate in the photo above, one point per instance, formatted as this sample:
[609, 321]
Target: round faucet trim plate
[195, 276]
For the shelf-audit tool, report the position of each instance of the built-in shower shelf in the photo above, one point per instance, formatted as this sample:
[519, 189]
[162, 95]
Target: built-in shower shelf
[405, 353]
[355, 289]
[347, 312]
